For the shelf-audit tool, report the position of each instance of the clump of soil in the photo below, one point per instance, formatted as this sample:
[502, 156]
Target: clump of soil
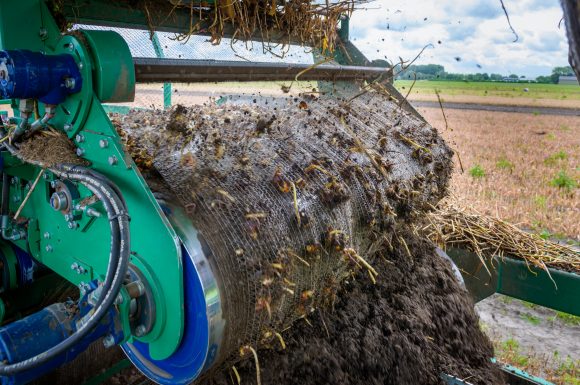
[411, 326]
[50, 148]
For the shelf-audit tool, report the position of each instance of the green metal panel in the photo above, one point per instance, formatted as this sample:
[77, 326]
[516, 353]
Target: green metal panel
[113, 69]
[25, 24]
[166, 86]
[557, 289]
[155, 247]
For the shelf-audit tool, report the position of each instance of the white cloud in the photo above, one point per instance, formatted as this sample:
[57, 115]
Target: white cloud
[474, 30]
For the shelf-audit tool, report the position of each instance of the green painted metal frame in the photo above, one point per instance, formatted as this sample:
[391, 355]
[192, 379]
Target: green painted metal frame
[27, 24]
[166, 86]
[555, 289]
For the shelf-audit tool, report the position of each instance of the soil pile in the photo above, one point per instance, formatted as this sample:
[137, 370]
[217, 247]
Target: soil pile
[413, 325]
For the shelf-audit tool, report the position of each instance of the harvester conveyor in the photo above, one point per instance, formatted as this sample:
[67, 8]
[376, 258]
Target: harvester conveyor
[156, 294]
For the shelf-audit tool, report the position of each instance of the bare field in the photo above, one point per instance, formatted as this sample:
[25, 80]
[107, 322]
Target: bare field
[513, 167]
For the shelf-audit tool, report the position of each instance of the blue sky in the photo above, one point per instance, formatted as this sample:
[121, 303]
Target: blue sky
[475, 31]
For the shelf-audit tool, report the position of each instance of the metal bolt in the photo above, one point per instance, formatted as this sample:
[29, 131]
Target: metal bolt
[46, 235]
[135, 289]
[91, 212]
[67, 127]
[79, 138]
[73, 225]
[45, 176]
[140, 331]
[81, 65]
[53, 184]
[74, 266]
[69, 46]
[108, 341]
[113, 160]
[80, 151]
[70, 83]
[68, 217]
[103, 143]
[43, 33]
[48, 248]
[84, 287]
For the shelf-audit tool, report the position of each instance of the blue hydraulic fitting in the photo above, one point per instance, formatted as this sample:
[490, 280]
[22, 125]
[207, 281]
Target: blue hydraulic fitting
[33, 75]
[41, 331]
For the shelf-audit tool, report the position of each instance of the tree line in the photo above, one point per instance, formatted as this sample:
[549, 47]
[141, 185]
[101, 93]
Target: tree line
[437, 72]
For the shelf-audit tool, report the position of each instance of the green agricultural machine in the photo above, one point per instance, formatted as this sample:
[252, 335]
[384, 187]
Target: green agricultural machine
[143, 275]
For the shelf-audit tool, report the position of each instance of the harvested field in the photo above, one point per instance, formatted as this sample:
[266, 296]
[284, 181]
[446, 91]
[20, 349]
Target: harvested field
[522, 168]
[493, 92]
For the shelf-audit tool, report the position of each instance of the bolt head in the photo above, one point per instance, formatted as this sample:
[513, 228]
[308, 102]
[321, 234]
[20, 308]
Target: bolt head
[103, 143]
[80, 151]
[48, 248]
[70, 83]
[113, 160]
[72, 225]
[79, 138]
[140, 331]
[46, 235]
[67, 127]
[74, 266]
[108, 341]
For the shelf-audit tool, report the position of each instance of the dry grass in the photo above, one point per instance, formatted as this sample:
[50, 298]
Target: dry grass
[488, 236]
[514, 159]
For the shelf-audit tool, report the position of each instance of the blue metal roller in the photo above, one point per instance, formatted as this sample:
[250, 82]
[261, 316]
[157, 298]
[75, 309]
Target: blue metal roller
[204, 323]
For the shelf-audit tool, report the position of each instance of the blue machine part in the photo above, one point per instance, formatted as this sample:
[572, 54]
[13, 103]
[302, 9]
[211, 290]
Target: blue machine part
[41, 331]
[204, 323]
[24, 266]
[33, 75]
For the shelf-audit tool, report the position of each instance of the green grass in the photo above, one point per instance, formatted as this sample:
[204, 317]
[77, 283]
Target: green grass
[555, 158]
[504, 164]
[564, 181]
[541, 201]
[477, 171]
[568, 319]
[497, 89]
[531, 319]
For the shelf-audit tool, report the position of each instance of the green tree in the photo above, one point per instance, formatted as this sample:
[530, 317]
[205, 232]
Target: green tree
[561, 71]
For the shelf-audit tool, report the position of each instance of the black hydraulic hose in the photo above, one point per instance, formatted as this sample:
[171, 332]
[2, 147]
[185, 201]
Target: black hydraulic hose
[117, 236]
[119, 223]
[5, 193]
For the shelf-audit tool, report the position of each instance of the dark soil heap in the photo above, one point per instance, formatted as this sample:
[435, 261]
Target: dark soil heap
[413, 325]
[305, 203]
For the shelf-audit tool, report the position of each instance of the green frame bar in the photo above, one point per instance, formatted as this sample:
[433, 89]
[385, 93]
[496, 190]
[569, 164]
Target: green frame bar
[166, 86]
[555, 289]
